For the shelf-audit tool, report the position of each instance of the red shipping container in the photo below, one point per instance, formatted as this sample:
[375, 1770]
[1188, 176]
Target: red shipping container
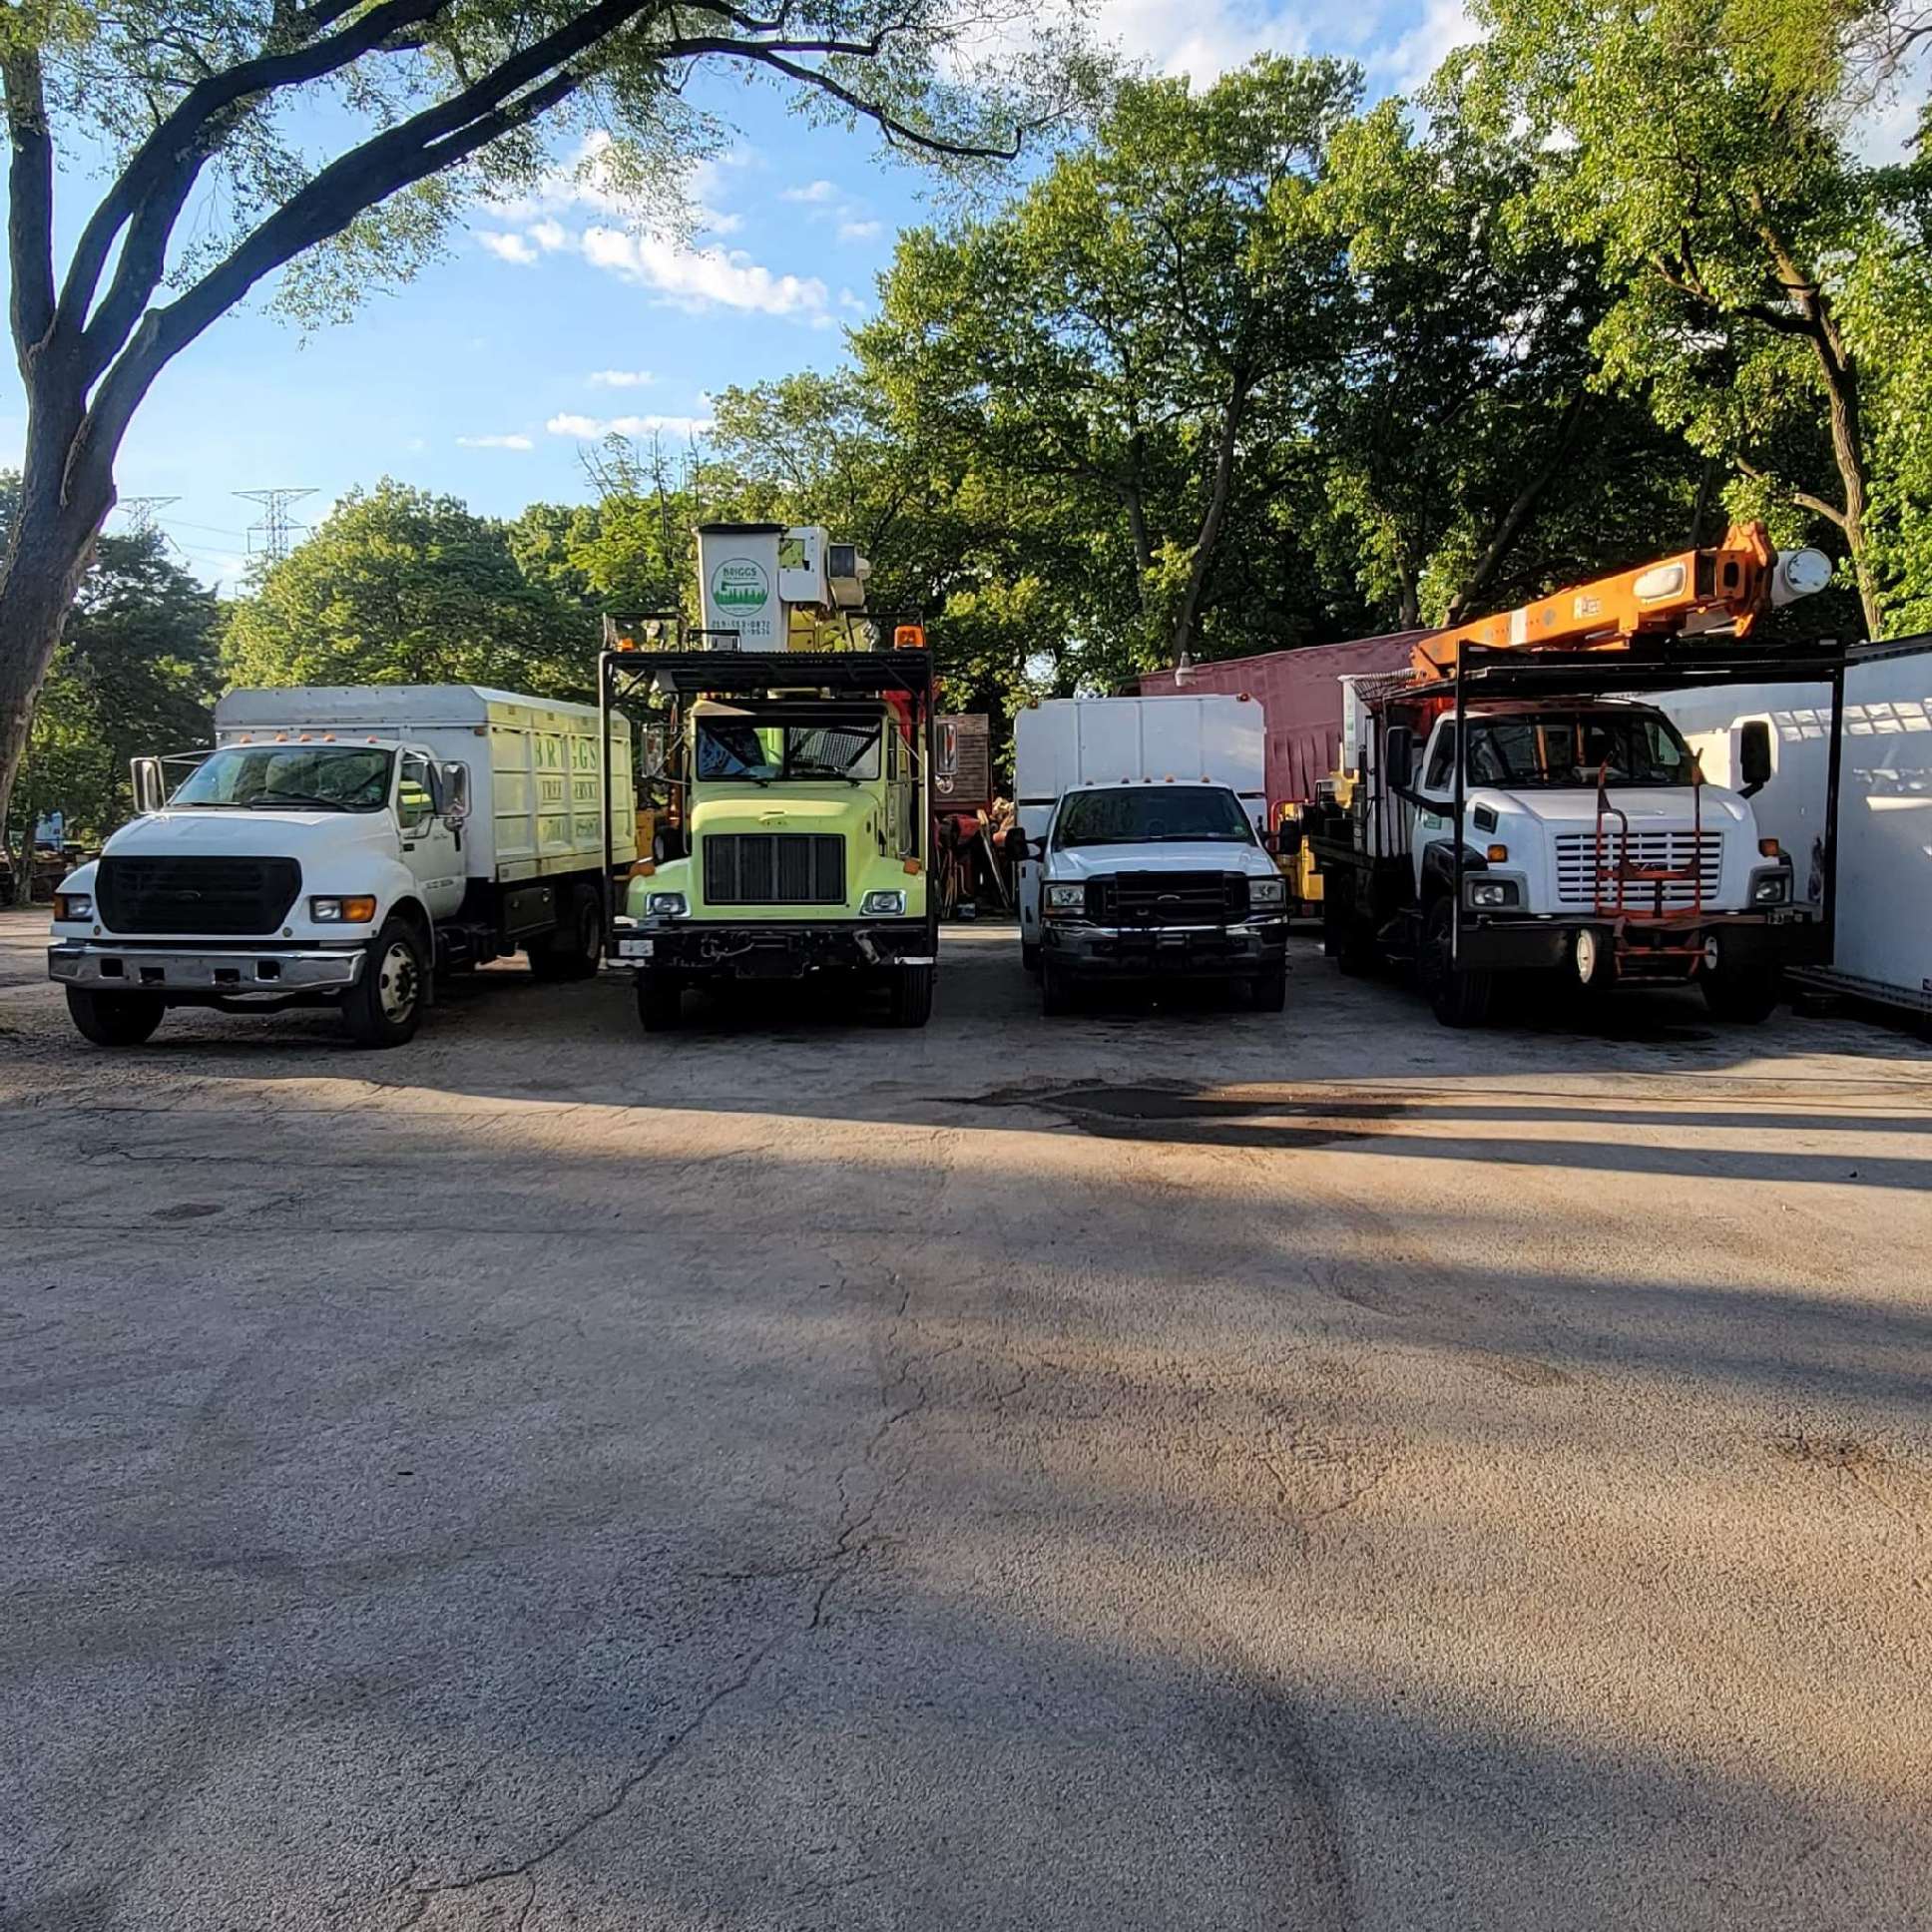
[1299, 692]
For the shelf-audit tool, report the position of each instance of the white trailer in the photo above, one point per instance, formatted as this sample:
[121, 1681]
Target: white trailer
[338, 845]
[1882, 916]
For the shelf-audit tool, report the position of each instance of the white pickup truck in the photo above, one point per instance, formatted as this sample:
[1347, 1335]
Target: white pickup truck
[339, 845]
[1141, 845]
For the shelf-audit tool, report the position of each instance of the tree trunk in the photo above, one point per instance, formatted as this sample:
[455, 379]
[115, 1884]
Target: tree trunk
[1219, 493]
[1408, 615]
[60, 516]
[1519, 512]
[1847, 448]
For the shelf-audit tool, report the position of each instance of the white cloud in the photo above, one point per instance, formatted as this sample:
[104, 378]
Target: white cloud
[622, 379]
[699, 279]
[858, 231]
[495, 442]
[1207, 39]
[1445, 25]
[590, 428]
[509, 247]
[857, 305]
[549, 235]
[817, 191]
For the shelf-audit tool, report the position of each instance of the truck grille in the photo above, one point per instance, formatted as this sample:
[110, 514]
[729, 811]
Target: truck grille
[210, 896]
[1168, 898]
[1577, 883]
[774, 868]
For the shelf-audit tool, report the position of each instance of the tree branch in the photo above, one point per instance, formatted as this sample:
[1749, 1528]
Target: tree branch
[1803, 498]
[765, 54]
[151, 189]
[30, 205]
[1518, 513]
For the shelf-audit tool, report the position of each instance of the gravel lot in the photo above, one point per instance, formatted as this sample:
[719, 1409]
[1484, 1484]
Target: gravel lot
[1160, 1469]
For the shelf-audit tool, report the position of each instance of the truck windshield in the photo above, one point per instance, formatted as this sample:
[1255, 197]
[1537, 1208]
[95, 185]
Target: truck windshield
[1570, 748]
[291, 778]
[1140, 815]
[742, 747]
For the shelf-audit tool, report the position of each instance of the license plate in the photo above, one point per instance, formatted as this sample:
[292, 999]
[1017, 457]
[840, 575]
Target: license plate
[1790, 915]
[636, 948]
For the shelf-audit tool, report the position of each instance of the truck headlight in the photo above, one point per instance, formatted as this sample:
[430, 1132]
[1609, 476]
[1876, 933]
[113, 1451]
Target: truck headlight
[666, 905]
[1266, 893]
[1065, 899]
[1491, 893]
[1770, 888]
[342, 912]
[73, 905]
[882, 905]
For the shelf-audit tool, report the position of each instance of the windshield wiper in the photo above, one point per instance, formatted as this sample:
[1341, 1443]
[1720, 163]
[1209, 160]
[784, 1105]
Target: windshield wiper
[298, 798]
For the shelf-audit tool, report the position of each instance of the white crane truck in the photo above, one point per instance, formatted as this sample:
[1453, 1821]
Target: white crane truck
[338, 847]
[1505, 811]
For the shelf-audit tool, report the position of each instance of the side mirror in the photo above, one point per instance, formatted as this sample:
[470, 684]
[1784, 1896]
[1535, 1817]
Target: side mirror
[1016, 846]
[451, 783]
[150, 792]
[1754, 755]
[1398, 759]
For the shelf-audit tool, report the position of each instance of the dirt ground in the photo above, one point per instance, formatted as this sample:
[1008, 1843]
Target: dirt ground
[1164, 1468]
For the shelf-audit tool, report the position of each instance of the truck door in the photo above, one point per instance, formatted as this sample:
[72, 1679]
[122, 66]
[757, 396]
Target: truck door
[428, 842]
[1429, 822]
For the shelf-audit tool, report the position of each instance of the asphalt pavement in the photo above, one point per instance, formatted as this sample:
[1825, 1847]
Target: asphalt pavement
[1167, 1467]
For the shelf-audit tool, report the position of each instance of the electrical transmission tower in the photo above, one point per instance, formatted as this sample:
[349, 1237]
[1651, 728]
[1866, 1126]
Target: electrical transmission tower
[141, 511]
[276, 523]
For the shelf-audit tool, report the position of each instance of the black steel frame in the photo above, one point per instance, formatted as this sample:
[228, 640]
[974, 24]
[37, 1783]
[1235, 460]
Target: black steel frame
[1489, 671]
[726, 673]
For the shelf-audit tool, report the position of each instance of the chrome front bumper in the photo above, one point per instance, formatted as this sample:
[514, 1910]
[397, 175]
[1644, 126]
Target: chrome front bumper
[131, 969]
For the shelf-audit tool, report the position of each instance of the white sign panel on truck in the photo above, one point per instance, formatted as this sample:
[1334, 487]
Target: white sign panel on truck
[738, 568]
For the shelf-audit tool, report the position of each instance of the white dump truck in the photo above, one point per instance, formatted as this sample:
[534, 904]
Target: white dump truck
[339, 845]
[1142, 844]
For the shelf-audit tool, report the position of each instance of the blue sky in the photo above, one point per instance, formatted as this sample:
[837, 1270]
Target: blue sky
[549, 322]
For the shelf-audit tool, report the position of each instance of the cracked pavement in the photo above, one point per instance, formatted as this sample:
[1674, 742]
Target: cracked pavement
[1154, 1469]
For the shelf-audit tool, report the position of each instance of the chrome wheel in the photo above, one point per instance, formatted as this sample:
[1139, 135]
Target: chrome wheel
[397, 983]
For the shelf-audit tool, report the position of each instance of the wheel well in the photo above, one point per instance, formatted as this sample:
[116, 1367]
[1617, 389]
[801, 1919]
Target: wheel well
[414, 911]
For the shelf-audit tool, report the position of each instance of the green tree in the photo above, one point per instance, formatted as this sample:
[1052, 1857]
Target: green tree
[210, 105]
[1137, 339]
[401, 587]
[1715, 180]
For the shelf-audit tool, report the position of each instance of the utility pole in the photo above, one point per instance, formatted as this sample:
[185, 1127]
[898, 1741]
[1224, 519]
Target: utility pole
[141, 511]
[275, 523]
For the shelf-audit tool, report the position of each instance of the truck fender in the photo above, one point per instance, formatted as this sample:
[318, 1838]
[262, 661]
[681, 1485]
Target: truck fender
[1439, 866]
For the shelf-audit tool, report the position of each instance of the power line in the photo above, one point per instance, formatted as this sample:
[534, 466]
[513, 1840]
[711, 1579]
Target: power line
[276, 523]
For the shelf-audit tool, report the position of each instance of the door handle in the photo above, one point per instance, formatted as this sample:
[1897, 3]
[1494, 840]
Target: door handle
[408, 844]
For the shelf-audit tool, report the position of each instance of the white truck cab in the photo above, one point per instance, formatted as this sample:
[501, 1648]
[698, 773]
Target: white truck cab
[337, 846]
[1155, 879]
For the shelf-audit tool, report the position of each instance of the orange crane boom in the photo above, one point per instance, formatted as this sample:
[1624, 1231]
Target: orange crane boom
[1728, 587]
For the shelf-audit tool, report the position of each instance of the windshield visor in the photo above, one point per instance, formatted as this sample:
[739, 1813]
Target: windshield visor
[1143, 815]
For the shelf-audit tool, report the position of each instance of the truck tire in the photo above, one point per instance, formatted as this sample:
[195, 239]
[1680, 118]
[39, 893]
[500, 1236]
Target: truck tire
[911, 996]
[1460, 998]
[1345, 938]
[385, 1006]
[1745, 996]
[1268, 992]
[1056, 990]
[575, 949]
[114, 1019]
[660, 1000]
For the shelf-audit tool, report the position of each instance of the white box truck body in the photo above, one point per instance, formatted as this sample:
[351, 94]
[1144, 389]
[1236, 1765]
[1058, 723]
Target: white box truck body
[341, 844]
[1882, 948]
